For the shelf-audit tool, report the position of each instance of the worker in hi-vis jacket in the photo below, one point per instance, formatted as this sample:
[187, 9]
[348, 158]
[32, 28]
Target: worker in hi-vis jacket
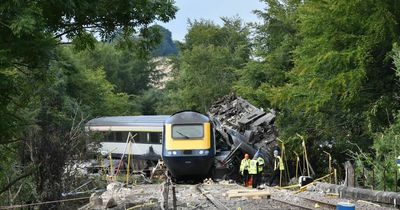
[278, 167]
[244, 168]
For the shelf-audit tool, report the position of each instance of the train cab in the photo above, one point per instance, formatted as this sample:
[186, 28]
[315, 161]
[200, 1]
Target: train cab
[188, 145]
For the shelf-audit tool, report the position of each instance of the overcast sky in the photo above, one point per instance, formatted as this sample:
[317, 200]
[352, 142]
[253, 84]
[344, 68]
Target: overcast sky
[210, 10]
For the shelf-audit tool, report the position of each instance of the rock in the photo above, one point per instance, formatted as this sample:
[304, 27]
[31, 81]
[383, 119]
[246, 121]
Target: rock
[111, 203]
[114, 186]
[96, 200]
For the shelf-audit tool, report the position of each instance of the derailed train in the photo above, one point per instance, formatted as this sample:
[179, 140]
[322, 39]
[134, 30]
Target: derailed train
[193, 144]
[189, 145]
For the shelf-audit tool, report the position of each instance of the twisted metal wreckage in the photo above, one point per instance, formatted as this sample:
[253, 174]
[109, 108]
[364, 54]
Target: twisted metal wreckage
[245, 129]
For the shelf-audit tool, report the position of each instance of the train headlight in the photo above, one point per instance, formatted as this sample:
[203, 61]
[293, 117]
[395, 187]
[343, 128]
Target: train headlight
[203, 152]
[172, 152]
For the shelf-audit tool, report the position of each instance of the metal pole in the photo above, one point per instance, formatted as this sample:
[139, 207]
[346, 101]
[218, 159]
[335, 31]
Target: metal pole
[330, 166]
[354, 178]
[129, 162]
[307, 162]
[111, 166]
[297, 165]
[395, 181]
[335, 175]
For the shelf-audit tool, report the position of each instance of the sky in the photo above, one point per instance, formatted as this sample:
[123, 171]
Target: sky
[210, 10]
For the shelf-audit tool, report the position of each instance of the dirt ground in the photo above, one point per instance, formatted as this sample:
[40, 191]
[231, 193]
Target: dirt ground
[149, 196]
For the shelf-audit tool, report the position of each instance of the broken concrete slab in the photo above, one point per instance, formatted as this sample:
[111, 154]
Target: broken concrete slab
[358, 193]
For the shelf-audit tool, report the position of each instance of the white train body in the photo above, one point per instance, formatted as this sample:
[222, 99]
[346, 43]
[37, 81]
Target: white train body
[146, 131]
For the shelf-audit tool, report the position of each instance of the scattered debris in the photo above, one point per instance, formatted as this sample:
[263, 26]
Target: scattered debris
[121, 197]
[216, 196]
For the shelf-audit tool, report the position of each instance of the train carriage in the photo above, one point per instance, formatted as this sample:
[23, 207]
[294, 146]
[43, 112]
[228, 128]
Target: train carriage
[147, 132]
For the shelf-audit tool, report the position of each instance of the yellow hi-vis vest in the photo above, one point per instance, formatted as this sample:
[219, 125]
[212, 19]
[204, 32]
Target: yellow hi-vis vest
[260, 161]
[253, 167]
[244, 165]
[279, 162]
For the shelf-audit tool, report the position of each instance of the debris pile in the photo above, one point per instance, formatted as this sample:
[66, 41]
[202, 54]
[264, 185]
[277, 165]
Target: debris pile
[119, 197]
[244, 128]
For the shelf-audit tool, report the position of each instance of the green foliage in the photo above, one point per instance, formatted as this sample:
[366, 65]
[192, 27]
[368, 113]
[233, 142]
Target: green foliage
[44, 88]
[126, 70]
[207, 64]
[326, 66]
[274, 41]
[31, 30]
[386, 149]
[335, 84]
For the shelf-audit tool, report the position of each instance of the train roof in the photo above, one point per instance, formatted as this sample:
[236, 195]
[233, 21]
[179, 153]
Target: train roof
[187, 117]
[127, 123]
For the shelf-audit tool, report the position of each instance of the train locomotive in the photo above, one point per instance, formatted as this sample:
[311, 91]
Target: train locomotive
[189, 145]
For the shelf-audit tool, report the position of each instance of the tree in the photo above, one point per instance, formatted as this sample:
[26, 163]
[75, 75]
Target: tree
[273, 43]
[206, 66]
[342, 85]
[35, 90]
[30, 31]
[124, 68]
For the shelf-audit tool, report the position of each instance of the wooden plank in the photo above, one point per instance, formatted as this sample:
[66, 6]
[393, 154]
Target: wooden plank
[242, 191]
[249, 194]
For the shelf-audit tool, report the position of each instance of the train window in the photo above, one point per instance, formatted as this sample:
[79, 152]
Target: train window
[118, 137]
[124, 136]
[109, 137]
[155, 137]
[187, 131]
[141, 137]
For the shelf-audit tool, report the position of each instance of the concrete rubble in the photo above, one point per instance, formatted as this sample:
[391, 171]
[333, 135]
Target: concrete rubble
[120, 197]
[244, 128]
[391, 198]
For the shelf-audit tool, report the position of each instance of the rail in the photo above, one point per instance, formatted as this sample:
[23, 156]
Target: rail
[306, 203]
[217, 203]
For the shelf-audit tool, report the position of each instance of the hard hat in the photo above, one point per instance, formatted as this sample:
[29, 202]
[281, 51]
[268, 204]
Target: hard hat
[276, 152]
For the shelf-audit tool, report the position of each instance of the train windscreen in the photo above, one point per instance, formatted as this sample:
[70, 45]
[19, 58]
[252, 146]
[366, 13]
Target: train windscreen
[187, 131]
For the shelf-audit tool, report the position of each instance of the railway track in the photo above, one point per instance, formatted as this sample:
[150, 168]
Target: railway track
[301, 202]
[306, 203]
[222, 203]
[208, 197]
[217, 203]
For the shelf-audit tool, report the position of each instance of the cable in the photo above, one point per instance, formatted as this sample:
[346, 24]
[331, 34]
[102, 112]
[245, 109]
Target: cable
[41, 203]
